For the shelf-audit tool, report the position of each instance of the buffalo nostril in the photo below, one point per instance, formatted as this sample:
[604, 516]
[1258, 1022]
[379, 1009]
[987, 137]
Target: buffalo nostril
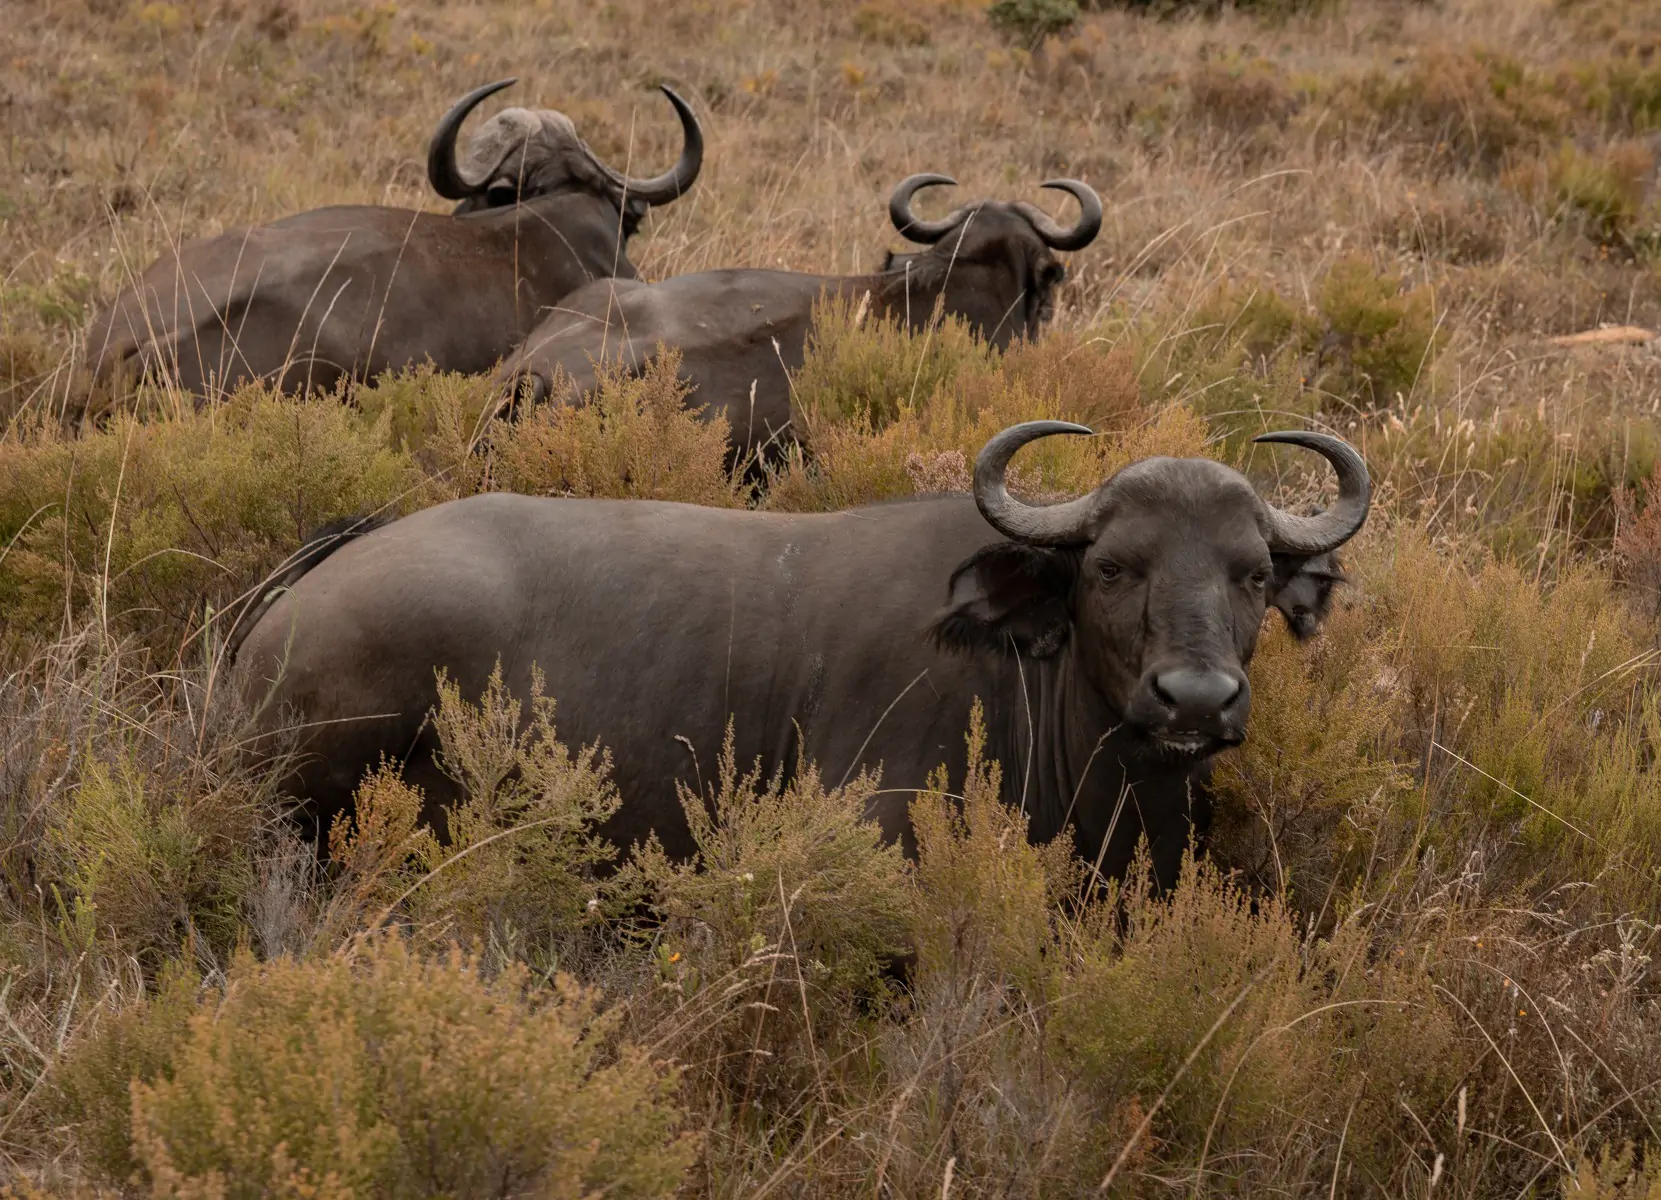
[1191, 691]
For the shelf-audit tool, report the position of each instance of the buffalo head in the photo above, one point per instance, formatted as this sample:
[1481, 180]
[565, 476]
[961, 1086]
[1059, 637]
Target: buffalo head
[1302, 588]
[1155, 583]
[992, 263]
[522, 153]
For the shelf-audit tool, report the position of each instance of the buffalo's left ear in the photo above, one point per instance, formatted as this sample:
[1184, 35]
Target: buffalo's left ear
[1009, 597]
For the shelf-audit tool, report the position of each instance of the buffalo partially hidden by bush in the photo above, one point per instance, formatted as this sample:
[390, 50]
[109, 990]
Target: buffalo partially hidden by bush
[354, 290]
[1107, 637]
[740, 332]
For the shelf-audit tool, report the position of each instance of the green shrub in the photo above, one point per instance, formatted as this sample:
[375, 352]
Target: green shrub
[888, 23]
[869, 369]
[142, 524]
[141, 1043]
[1201, 1027]
[1271, 9]
[132, 832]
[1519, 701]
[1295, 802]
[518, 863]
[1530, 492]
[1604, 194]
[1464, 105]
[782, 918]
[1031, 21]
[971, 1073]
[635, 439]
[439, 419]
[385, 1076]
[986, 900]
[857, 457]
[151, 864]
[1377, 342]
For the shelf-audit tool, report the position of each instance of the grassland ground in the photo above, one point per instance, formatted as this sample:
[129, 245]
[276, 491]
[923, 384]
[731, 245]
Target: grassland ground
[1418, 956]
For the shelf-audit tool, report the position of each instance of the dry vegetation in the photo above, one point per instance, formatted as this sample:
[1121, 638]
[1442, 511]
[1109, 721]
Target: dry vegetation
[1418, 956]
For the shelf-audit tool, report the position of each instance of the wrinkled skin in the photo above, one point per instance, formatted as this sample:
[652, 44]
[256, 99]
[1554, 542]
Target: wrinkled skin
[1111, 670]
[351, 291]
[994, 271]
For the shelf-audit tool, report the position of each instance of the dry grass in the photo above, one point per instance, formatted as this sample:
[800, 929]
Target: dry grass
[1418, 955]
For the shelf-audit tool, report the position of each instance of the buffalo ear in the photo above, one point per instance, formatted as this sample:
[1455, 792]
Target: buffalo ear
[1009, 597]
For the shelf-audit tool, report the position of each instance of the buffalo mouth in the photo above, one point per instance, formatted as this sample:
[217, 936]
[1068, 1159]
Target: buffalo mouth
[1191, 744]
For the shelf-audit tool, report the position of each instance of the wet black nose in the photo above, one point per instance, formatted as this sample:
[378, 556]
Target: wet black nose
[1195, 697]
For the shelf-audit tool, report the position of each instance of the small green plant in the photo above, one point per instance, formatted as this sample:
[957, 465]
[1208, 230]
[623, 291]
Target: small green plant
[1031, 21]
[635, 439]
[1605, 194]
[1376, 341]
[869, 369]
[518, 867]
[783, 916]
[138, 1044]
[889, 23]
[146, 522]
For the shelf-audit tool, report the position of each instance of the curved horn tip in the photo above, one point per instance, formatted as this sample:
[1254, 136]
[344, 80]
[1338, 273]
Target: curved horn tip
[442, 172]
[1307, 438]
[1045, 428]
[911, 226]
[1344, 519]
[1089, 223]
[490, 89]
[1053, 525]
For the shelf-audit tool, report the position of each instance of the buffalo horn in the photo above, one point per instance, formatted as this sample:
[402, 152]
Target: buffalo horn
[1048, 525]
[442, 171]
[1083, 232]
[913, 227]
[1289, 534]
[673, 183]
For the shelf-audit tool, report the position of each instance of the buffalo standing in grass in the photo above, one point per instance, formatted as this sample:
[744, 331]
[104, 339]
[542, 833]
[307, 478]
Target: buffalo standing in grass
[740, 331]
[1108, 638]
[355, 290]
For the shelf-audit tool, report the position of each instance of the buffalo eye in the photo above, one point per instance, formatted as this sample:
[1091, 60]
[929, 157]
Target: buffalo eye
[1107, 572]
[501, 195]
[1259, 579]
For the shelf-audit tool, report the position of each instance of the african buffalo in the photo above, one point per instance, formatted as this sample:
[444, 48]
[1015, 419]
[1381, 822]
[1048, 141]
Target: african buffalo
[1108, 638]
[354, 290]
[740, 331]
[1303, 591]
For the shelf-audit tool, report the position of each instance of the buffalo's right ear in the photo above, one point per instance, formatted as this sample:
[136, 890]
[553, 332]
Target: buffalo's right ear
[1009, 597]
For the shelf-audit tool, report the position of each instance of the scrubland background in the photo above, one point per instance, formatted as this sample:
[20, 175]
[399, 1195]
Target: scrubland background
[1419, 957]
